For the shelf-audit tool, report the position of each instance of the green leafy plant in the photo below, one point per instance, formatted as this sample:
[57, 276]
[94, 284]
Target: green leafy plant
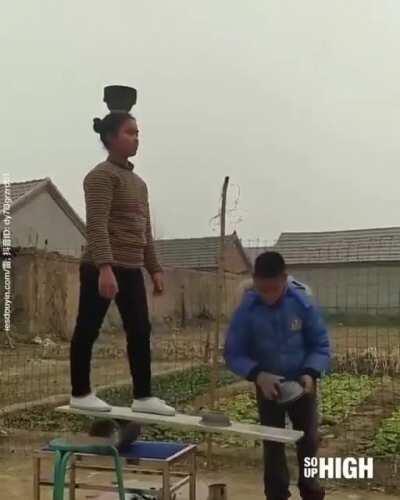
[341, 393]
[387, 439]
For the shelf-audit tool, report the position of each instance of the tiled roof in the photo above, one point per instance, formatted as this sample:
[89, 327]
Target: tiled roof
[22, 192]
[361, 245]
[194, 253]
[20, 189]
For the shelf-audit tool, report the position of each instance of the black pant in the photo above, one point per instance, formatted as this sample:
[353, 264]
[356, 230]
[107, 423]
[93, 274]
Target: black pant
[132, 305]
[304, 416]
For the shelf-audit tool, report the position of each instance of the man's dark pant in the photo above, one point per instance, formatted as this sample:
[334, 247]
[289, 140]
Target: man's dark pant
[132, 305]
[304, 416]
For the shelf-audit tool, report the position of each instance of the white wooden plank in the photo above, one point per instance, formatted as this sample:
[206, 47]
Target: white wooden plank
[248, 431]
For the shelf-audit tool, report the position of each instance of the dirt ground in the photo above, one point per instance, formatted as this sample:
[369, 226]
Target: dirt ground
[26, 376]
[16, 484]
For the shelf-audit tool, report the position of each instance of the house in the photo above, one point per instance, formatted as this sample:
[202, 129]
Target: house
[354, 271]
[42, 218]
[202, 254]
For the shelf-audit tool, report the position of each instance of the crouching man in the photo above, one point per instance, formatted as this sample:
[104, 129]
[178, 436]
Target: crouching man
[278, 332]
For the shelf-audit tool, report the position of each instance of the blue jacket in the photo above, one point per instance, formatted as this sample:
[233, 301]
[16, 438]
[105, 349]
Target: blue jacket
[288, 339]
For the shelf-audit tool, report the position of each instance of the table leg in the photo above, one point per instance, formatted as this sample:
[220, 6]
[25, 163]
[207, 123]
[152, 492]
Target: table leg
[36, 478]
[166, 494]
[193, 474]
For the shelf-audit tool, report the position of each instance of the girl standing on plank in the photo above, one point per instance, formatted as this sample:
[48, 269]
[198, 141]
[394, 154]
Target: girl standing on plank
[119, 244]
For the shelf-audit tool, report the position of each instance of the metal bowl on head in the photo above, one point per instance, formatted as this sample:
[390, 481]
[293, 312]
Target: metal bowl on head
[120, 98]
[291, 391]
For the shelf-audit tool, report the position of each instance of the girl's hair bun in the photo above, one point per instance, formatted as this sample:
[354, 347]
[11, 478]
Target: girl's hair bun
[97, 125]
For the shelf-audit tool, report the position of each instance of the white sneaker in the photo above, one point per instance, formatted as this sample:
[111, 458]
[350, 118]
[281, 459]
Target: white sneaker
[152, 405]
[90, 403]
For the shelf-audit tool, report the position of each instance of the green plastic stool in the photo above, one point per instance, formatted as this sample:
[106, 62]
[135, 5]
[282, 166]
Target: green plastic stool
[64, 451]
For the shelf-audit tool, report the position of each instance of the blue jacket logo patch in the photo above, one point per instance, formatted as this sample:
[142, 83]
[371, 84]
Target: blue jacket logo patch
[296, 325]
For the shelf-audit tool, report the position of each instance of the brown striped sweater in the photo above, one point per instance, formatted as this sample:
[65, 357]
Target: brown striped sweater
[118, 226]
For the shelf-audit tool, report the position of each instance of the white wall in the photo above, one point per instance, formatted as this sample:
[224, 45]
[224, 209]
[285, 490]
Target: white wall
[369, 288]
[41, 219]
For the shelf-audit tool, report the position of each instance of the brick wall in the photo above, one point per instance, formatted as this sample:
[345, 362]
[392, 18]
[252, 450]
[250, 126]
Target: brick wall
[46, 294]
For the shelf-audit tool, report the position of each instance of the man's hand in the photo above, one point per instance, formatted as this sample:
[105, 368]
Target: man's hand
[158, 283]
[108, 286]
[308, 383]
[270, 385]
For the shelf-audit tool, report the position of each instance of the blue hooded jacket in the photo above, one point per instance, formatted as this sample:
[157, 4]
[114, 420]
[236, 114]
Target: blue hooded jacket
[288, 339]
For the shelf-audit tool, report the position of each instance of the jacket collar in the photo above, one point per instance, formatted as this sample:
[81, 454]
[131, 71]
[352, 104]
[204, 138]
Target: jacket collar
[255, 298]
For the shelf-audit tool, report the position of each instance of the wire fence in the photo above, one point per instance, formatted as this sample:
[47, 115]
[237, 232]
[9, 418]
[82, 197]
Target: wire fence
[359, 402]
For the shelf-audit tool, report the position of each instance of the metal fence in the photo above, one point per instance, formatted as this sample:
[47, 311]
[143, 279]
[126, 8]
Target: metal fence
[359, 402]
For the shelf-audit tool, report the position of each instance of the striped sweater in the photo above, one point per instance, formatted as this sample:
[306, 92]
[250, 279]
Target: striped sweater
[118, 226]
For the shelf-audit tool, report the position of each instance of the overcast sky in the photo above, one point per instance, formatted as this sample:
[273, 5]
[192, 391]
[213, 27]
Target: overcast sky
[297, 101]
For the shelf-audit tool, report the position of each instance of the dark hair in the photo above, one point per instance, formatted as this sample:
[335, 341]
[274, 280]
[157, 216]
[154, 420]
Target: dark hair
[269, 265]
[110, 124]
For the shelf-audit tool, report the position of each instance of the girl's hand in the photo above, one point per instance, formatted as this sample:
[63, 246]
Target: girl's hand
[158, 283]
[108, 286]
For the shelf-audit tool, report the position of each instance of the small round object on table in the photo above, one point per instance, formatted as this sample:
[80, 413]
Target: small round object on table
[105, 428]
[129, 432]
[118, 433]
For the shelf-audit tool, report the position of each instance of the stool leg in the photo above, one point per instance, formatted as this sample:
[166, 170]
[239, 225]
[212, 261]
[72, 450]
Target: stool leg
[36, 478]
[60, 485]
[119, 474]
